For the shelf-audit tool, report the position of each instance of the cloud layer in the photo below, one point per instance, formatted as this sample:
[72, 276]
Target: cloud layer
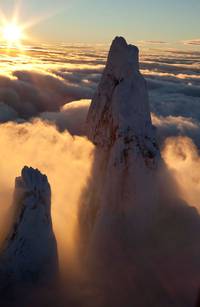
[43, 78]
[56, 83]
[45, 94]
[195, 42]
[47, 82]
[66, 160]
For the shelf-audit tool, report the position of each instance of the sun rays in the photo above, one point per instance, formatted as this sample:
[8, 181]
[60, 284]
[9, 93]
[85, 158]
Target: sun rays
[12, 32]
[15, 31]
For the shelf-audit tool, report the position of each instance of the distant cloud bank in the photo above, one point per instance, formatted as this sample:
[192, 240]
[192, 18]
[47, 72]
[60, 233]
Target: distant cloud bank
[45, 79]
[156, 42]
[195, 42]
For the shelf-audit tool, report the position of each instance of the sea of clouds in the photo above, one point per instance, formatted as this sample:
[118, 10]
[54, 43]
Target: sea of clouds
[39, 81]
[45, 93]
[55, 84]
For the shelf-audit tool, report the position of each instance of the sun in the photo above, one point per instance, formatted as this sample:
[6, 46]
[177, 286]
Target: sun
[12, 33]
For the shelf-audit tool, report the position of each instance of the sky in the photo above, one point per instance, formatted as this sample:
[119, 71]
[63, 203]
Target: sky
[99, 21]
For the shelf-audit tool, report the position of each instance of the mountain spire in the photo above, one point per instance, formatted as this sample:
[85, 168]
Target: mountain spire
[127, 155]
[30, 254]
[119, 112]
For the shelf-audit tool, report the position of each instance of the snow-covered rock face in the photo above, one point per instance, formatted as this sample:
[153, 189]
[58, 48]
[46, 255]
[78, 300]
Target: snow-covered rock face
[120, 109]
[139, 238]
[127, 156]
[30, 254]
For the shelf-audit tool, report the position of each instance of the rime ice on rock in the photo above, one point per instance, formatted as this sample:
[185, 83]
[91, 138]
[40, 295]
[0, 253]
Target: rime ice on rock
[30, 255]
[139, 236]
[120, 126]
[119, 112]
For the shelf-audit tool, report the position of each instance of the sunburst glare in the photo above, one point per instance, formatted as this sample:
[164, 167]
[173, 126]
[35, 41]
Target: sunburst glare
[12, 33]
[13, 29]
